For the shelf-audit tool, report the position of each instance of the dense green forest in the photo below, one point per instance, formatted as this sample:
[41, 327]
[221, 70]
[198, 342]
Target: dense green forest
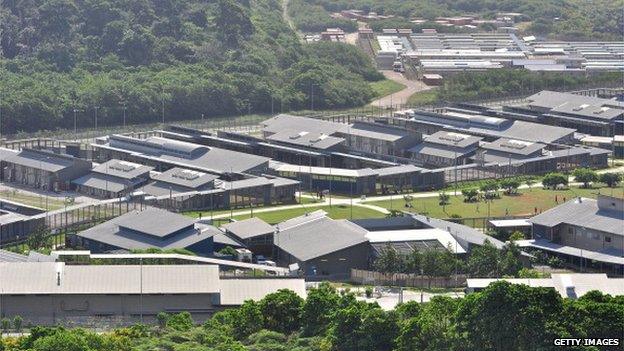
[502, 317]
[565, 19]
[514, 82]
[216, 58]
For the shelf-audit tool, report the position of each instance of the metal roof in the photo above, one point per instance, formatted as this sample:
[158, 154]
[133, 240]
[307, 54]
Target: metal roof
[438, 151]
[237, 291]
[154, 221]
[185, 177]
[512, 146]
[408, 235]
[249, 228]
[609, 256]
[38, 159]
[453, 139]
[185, 155]
[377, 131]
[28, 278]
[104, 182]
[122, 169]
[313, 140]
[510, 223]
[461, 232]
[150, 228]
[584, 213]
[287, 167]
[319, 237]
[580, 105]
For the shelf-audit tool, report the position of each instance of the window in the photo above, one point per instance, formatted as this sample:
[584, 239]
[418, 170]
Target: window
[596, 236]
[608, 239]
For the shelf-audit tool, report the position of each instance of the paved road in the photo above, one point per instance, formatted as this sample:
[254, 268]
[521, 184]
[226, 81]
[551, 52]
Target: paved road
[400, 97]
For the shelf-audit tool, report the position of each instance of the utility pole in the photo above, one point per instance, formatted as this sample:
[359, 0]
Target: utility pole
[75, 124]
[124, 114]
[162, 98]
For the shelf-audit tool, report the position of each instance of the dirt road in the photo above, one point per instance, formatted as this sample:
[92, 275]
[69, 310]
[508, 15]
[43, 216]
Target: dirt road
[401, 97]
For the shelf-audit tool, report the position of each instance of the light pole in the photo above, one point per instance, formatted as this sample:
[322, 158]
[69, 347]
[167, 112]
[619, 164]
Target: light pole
[96, 124]
[75, 124]
[124, 114]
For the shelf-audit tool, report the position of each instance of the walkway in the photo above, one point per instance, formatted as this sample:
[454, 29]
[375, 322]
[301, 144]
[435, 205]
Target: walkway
[400, 97]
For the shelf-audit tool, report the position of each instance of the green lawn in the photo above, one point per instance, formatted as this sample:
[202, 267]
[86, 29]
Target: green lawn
[522, 204]
[425, 97]
[335, 212]
[386, 87]
[31, 200]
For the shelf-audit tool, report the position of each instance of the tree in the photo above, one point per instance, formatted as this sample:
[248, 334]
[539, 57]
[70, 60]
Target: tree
[553, 180]
[483, 261]
[282, 311]
[483, 320]
[611, 179]
[228, 250]
[489, 188]
[319, 306]
[530, 181]
[181, 321]
[389, 261]
[517, 235]
[585, 176]
[38, 238]
[5, 325]
[510, 185]
[17, 323]
[162, 318]
[444, 198]
[470, 194]
[248, 320]
[65, 340]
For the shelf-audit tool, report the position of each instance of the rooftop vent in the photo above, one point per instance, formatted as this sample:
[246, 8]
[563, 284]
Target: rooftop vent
[601, 110]
[515, 144]
[186, 174]
[454, 137]
[298, 135]
[123, 166]
[580, 107]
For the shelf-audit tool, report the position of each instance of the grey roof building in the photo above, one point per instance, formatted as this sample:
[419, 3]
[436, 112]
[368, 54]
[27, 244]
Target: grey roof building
[587, 114]
[113, 178]
[324, 135]
[504, 150]
[150, 228]
[256, 234]
[488, 127]
[321, 246]
[42, 169]
[443, 149]
[54, 293]
[179, 180]
[163, 154]
[587, 231]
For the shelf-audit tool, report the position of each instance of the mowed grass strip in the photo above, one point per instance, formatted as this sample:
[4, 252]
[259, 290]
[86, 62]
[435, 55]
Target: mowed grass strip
[522, 204]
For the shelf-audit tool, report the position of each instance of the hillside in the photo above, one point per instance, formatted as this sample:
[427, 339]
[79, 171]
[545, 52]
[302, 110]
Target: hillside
[217, 58]
[562, 19]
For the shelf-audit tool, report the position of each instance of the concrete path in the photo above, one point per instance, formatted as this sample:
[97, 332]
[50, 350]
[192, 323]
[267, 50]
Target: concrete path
[400, 97]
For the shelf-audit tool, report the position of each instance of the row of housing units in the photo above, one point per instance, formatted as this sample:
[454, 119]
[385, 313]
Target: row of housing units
[585, 233]
[446, 53]
[413, 150]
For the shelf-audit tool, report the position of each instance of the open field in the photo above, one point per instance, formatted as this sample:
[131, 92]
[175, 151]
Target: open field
[515, 205]
[32, 200]
[335, 212]
[386, 87]
[425, 97]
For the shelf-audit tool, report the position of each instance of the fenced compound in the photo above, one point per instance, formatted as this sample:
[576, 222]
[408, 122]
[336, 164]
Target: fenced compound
[406, 280]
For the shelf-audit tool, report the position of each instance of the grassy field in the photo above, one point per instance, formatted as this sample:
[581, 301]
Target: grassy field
[335, 212]
[425, 97]
[31, 200]
[516, 205]
[386, 87]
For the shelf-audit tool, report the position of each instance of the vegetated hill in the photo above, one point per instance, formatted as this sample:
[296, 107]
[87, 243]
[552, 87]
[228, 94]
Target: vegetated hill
[215, 57]
[564, 19]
